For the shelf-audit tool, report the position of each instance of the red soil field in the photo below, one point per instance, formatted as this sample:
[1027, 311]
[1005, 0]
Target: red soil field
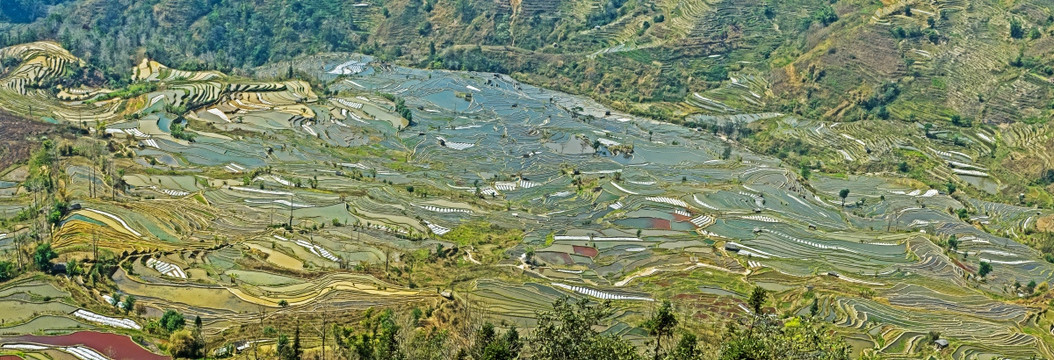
[585, 251]
[660, 224]
[679, 217]
[117, 347]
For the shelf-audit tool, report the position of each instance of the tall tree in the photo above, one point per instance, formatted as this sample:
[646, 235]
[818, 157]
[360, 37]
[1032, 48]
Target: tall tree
[488, 345]
[661, 326]
[757, 299]
[568, 332]
[43, 255]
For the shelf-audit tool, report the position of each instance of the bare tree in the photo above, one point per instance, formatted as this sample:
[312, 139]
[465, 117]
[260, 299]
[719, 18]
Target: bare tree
[323, 328]
[95, 245]
[256, 349]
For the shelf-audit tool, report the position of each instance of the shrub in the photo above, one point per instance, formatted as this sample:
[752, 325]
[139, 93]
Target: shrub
[42, 257]
[178, 132]
[1016, 29]
[172, 321]
[984, 269]
[825, 15]
[186, 344]
[7, 270]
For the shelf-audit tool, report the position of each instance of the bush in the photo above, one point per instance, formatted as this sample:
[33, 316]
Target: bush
[984, 269]
[568, 332]
[178, 132]
[186, 344]
[825, 15]
[1016, 29]
[7, 270]
[42, 257]
[961, 121]
[172, 321]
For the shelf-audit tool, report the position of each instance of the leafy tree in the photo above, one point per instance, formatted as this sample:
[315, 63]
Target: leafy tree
[953, 243]
[58, 210]
[984, 269]
[1034, 34]
[687, 349]
[43, 255]
[428, 345]
[297, 352]
[73, 267]
[288, 351]
[172, 321]
[608, 12]
[128, 304]
[794, 339]
[931, 337]
[186, 344]
[757, 299]
[1017, 31]
[404, 111]
[844, 193]
[24, 11]
[661, 326]
[376, 337]
[179, 132]
[489, 345]
[882, 112]
[960, 121]
[825, 15]
[282, 347]
[465, 10]
[7, 270]
[568, 333]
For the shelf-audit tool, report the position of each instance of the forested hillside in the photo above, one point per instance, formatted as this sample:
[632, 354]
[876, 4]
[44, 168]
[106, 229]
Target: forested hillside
[847, 59]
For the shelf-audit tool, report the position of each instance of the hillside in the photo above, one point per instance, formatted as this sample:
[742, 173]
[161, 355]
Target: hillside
[320, 188]
[972, 77]
[812, 58]
[805, 179]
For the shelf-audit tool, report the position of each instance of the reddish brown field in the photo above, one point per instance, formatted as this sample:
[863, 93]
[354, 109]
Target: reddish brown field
[15, 138]
[117, 347]
[585, 251]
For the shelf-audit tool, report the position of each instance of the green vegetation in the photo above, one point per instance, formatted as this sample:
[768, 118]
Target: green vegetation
[489, 344]
[984, 269]
[568, 332]
[304, 199]
[42, 257]
[400, 107]
[172, 321]
[185, 343]
[179, 132]
[377, 338]
[763, 337]
[130, 91]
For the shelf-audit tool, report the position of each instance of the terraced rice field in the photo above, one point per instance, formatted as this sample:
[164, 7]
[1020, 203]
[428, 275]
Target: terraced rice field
[288, 204]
